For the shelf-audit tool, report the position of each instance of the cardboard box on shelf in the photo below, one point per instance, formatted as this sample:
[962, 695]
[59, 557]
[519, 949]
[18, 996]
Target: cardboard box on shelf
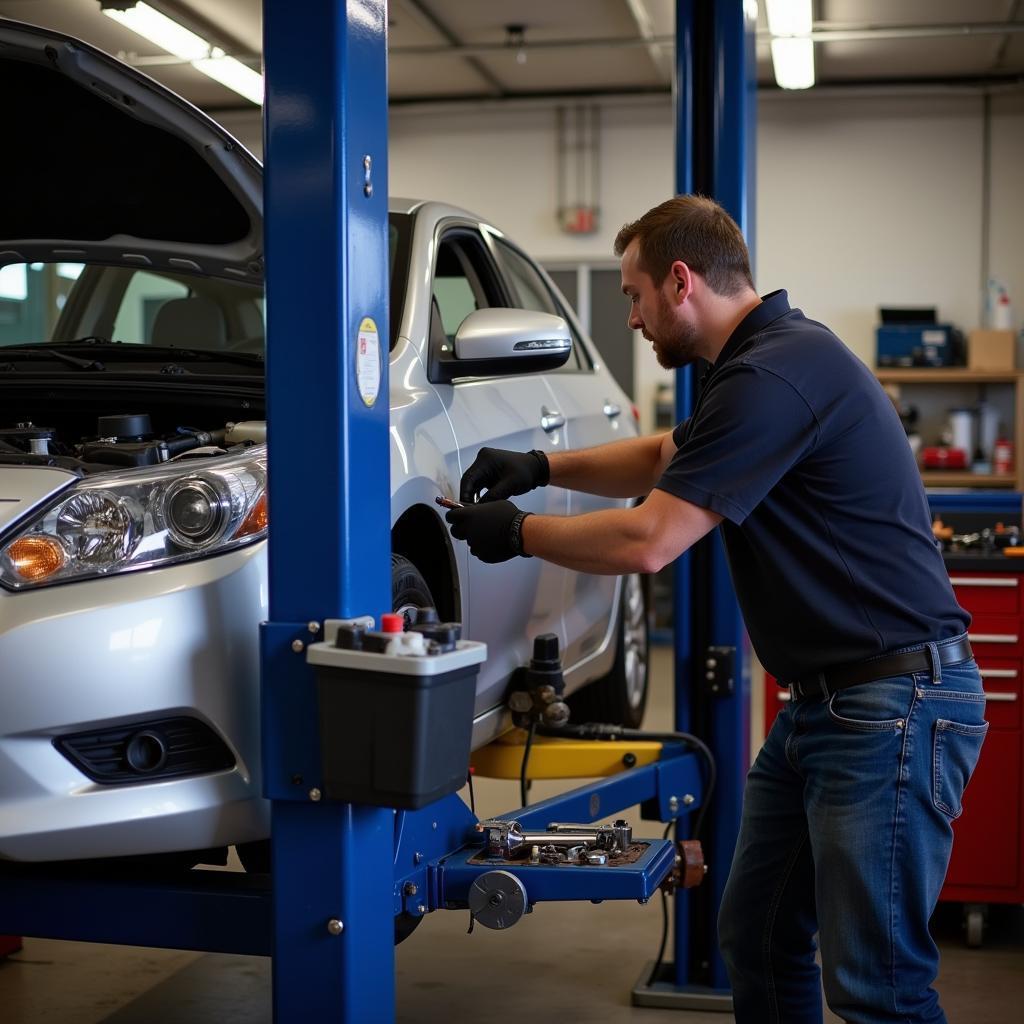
[991, 350]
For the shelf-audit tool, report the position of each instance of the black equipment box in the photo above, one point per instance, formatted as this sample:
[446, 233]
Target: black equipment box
[395, 730]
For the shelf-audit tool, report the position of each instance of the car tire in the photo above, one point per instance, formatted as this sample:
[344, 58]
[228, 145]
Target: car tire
[620, 697]
[408, 587]
[408, 590]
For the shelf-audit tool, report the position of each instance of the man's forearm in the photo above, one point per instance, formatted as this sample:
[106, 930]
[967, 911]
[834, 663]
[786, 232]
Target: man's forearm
[621, 469]
[611, 542]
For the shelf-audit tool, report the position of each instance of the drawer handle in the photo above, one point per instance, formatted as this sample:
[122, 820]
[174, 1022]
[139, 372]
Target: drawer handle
[784, 695]
[998, 673]
[992, 638]
[981, 581]
[1000, 698]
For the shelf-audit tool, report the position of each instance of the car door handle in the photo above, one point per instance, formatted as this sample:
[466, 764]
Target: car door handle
[611, 410]
[550, 419]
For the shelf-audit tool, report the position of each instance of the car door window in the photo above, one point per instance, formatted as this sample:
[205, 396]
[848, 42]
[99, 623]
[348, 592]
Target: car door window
[463, 282]
[531, 292]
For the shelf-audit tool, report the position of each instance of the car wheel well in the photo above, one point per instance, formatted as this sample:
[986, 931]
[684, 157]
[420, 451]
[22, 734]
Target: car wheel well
[420, 536]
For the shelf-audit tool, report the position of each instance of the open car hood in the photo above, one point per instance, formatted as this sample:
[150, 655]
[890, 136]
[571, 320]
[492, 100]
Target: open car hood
[105, 165]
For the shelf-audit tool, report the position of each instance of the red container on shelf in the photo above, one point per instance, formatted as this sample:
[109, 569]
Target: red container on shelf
[1002, 456]
[943, 458]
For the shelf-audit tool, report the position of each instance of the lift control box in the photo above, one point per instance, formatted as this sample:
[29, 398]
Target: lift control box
[395, 729]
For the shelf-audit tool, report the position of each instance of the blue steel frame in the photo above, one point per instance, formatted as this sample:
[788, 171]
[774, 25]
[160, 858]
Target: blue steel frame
[431, 861]
[326, 194]
[715, 110]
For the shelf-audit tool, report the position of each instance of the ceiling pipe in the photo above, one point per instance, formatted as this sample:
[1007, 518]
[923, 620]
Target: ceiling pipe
[868, 33]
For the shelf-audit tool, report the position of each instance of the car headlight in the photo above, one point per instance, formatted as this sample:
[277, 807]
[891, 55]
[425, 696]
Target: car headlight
[111, 523]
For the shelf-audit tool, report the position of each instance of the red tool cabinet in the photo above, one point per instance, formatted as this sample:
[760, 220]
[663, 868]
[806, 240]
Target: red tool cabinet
[986, 866]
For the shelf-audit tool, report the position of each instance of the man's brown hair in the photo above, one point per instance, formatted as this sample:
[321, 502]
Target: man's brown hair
[697, 231]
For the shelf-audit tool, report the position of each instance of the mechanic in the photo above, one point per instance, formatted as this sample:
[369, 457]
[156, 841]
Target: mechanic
[795, 452]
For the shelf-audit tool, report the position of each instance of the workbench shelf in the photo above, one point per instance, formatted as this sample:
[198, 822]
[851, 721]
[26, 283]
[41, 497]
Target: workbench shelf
[937, 389]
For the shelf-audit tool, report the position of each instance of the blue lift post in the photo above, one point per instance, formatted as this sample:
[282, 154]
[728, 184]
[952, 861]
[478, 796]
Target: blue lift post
[326, 194]
[715, 112]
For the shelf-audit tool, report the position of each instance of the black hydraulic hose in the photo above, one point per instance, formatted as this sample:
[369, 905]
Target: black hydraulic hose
[526, 760]
[599, 731]
[596, 730]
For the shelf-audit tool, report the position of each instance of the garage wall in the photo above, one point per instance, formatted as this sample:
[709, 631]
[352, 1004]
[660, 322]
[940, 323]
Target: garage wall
[862, 200]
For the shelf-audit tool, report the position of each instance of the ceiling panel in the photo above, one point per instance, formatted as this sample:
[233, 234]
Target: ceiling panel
[431, 23]
[596, 68]
[475, 22]
[914, 12]
[422, 77]
[904, 58]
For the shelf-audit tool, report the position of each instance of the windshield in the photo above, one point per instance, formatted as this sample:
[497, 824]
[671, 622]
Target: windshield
[45, 303]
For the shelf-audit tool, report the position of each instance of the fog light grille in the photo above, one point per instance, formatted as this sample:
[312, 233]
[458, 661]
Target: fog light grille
[146, 751]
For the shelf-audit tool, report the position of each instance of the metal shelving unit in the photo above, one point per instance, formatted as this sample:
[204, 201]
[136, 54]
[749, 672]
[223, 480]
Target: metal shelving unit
[953, 377]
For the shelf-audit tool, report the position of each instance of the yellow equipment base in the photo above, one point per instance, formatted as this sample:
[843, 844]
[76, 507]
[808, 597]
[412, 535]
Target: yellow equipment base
[554, 758]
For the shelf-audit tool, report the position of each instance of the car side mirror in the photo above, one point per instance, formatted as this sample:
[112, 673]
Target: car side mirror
[497, 342]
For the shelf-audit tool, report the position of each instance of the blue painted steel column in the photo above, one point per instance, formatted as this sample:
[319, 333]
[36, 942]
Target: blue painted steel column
[327, 272]
[682, 96]
[734, 99]
[715, 97]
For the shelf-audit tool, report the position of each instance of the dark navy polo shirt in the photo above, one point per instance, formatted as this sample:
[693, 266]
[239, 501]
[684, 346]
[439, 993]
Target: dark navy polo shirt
[825, 520]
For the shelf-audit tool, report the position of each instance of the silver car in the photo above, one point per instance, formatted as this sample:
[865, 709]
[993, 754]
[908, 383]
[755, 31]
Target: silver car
[133, 517]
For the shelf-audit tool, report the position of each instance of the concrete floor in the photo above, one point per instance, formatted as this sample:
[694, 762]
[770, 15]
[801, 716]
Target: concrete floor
[563, 962]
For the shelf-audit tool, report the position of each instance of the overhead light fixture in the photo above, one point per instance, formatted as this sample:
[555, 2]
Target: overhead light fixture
[790, 23]
[184, 44]
[515, 37]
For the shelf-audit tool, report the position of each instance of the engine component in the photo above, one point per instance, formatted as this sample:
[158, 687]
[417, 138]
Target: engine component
[247, 430]
[124, 427]
[28, 437]
[497, 900]
[561, 842]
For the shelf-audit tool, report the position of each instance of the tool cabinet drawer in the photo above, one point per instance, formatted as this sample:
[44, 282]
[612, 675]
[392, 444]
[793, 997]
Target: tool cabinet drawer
[1002, 681]
[995, 636]
[986, 837]
[981, 594]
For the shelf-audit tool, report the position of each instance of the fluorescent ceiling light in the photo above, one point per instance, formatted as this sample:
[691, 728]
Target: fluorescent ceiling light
[793, 59]
[184, 44]
[232, 73]
[789, 17]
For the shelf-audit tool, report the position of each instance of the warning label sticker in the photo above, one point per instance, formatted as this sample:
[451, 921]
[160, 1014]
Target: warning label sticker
[368, 361]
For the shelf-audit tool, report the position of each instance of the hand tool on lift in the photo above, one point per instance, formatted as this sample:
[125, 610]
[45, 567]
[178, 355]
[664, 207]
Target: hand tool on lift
[560, 843]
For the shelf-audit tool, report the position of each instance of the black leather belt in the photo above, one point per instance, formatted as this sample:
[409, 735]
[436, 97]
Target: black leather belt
[826, 683]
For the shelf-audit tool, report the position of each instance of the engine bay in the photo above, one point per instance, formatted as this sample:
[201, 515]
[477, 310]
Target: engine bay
[119, 441]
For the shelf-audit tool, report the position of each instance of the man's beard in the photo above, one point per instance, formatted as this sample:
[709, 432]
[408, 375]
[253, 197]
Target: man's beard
[678, 348]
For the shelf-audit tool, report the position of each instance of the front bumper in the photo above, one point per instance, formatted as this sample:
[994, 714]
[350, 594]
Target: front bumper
[182, 640]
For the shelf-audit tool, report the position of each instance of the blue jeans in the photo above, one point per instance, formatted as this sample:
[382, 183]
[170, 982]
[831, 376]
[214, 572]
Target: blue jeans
[846, 832]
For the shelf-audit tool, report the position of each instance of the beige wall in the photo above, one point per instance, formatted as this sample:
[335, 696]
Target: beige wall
[862, 200]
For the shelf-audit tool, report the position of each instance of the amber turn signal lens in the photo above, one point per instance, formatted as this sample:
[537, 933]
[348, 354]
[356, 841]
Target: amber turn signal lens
[256, 520]
[35, 558]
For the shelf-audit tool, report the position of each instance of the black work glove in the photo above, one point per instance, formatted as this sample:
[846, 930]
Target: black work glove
[491, 528]
[504, 473]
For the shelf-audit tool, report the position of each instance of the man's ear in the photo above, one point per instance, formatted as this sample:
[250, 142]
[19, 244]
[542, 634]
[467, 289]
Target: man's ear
[681, 278]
